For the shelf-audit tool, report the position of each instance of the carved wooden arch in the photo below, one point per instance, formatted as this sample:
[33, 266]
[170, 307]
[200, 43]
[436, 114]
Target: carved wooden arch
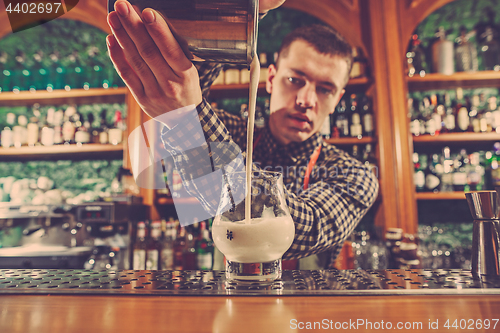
[92, 12]
[343, 15]
[412, 12]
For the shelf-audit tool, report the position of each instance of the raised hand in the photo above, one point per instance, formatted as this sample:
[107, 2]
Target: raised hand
[150, 61]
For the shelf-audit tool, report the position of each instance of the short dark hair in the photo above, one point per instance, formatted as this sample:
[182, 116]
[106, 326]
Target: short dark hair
[323, 39]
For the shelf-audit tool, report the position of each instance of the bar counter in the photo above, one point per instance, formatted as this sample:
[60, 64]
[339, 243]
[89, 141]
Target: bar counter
[202, 301]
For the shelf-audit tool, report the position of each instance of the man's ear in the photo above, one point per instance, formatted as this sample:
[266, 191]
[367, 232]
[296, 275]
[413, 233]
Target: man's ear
[271, 73]
[338, 100]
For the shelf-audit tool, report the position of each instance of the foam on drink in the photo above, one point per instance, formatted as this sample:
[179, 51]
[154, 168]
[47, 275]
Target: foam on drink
[256, 241]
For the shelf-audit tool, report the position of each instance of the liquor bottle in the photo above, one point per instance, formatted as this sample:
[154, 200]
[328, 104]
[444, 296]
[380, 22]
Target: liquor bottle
[267, 107]
[71, 118]
[260, 121]
[414, 115]
[486, 115]
[189, 255]
[153, 247]
[5, 73]
[461, 113]
[95, 74]
[433, 174]
[465, 53]
[22, 74]
[93, 131]
[20, 131]
[495, 113]
[163, 195]
[415, 57]
[359, 63]
[167, 246]
[460, 166]
[264, 64]
[204, 248]
[418, 174]
[179, 248]
[438, 112]
[369, 159]
[40, 74]
[75, 73]
[356, 153]
[58, 122]
[82, 134]
[426, 112]
[244, 111]
[493, 165]
[103, 131]
[7, 135]
[490, 50]
[47, 132]
[443, 60]
[325, 130]
[115, 134]
[475, 174]
[32, 131]
[57, 73]
[356, 130]
[449, 118]
[342, 123]
[447, 176]
[140, 247]
[475, 115]
[367, 117]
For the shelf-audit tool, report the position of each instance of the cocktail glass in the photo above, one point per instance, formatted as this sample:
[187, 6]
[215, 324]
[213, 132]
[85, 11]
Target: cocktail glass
[253, 248]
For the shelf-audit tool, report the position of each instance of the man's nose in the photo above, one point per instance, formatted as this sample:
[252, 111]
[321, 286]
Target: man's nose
[306, 96]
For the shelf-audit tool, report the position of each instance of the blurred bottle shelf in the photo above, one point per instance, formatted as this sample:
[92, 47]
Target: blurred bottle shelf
[447, 138]
[73, 151]
[435, 81]
[440, 196]
[350, 141]
[76, 96]
[241, 90]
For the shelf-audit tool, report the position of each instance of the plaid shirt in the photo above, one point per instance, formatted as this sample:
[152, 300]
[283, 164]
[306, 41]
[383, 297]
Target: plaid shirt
[341, 189]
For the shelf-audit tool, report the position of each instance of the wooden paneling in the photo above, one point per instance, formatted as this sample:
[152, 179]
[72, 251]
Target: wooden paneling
[343, 15]
[394, 138]
[92, 12]
[412, 12]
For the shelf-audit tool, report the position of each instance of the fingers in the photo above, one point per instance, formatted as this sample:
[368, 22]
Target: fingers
[147, 50]
[165, 40]
[130, 50]
[123, 68]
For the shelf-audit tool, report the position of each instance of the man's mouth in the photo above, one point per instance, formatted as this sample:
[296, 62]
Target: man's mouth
[300, 118]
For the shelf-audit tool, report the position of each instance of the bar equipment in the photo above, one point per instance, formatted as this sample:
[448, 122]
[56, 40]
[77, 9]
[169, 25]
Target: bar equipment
[253, 248]
[90, 235]
[484, 208]
[207, 30]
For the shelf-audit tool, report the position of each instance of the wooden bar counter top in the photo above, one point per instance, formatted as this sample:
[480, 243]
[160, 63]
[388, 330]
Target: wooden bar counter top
[196, 301]
[84, 313]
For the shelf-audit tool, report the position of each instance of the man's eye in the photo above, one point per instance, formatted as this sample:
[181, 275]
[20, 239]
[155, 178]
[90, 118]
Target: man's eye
[294, 80]
[325, 91]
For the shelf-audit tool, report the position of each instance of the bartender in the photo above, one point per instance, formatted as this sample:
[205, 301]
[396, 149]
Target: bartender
[327, 191]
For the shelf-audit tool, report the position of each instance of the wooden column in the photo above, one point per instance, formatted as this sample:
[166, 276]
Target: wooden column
[394, 137]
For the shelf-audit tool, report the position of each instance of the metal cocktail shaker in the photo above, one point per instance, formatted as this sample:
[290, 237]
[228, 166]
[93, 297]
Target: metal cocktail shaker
[484, 208]
[209, 30]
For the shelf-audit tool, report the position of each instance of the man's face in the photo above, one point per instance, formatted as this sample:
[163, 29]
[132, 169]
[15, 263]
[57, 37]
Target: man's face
[305, 88]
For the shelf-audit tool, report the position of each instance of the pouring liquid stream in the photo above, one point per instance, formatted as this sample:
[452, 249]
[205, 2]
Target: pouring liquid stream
[254, 84]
